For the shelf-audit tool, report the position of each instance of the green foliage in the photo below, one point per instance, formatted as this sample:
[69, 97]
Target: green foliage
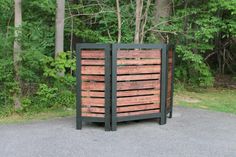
[6, 110]
[46, 96]
[195, 27]
[198, 30]
[64, 63]
[65, 99]
[192, 69]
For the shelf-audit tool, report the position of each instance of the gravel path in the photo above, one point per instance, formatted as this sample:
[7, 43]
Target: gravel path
[190, 133]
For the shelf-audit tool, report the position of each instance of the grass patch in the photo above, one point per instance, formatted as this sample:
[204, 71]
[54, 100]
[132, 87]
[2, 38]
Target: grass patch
[223, 100]
[49, 114]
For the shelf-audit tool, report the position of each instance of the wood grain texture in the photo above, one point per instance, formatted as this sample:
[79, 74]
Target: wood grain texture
[138, 61]
[170, 53]
[137, 113]
[138, 92]
[92, 54]
[138, 85]
[92, 94]
[139, 54]
[92, 102]
[98, 70]
[125, 101]
[93, 110]
[92, 115]
[93, 86]
[138, 108]
[138, 69]
[138, 77]
[92, 62]
[92, 78]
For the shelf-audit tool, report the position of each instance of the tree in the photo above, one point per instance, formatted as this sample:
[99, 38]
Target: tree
[60, 14]
[162, 12]
[141, 19]
[17, 52]
[119, 20]
[138, 14]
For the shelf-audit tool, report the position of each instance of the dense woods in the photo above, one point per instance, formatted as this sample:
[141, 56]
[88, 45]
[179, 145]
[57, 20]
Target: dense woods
[37, 43]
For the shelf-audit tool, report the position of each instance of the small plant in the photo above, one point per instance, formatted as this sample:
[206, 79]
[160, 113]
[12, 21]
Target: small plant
[46, 96]
[63, 64]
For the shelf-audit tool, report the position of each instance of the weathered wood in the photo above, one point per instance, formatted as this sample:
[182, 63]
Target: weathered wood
[138, 69]
[139, 54]
[137, 113]
[92, 94]
[92, 115]
[138, 77]
[92, 86]
[170, 60]
[91, 101]
[92, 78]
[138, 92]
[125, 101]
[170, 53]
[93, 110]
[92, 54]
[98, 70]
[92, 62]
[138, 85]
[138, 62]
[138, 108]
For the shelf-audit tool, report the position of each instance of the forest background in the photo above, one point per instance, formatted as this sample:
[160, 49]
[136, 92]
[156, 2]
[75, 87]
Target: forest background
[38, 37]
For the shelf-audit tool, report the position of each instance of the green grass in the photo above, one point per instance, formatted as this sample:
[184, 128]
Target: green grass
[223, 100]
[50, 114]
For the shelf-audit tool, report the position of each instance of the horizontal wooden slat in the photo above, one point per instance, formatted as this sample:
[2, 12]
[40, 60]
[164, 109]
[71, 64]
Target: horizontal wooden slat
[138, 85]
[138, 77]
[93, 101]
[92, 94]
[138, 92]
[138, 69]
[92, 70]
[139, 62]
[92, 115]
[138, 108]
[137, 100]
[137, 113]
[92, 86]
[92, 62]
[139, 54]
[92, 78]
[93, 110]
[92, 54]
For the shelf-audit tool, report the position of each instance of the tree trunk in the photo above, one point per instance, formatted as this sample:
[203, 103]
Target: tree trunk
[60, 14]
[119, 20]
[138, 14]
[145, 16]
[162, 12]
[17, 53]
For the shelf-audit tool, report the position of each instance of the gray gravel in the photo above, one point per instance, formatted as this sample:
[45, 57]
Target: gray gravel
[190, 133]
